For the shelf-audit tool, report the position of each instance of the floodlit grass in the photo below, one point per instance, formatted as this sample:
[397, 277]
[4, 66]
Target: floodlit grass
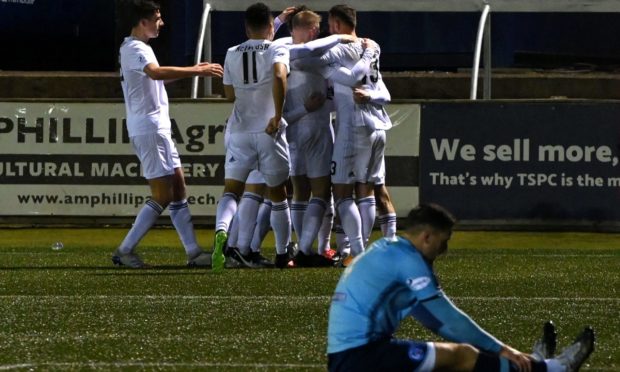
[71, 310]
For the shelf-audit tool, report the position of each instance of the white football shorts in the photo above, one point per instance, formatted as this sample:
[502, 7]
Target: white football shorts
[157, 153]
[257, 151]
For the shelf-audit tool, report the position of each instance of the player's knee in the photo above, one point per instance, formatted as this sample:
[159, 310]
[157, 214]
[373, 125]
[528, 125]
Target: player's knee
[455, 357]
[277, 194]
[364, 190]
[466, 356]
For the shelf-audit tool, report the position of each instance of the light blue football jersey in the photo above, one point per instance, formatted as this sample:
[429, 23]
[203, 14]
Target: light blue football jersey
[377, 292]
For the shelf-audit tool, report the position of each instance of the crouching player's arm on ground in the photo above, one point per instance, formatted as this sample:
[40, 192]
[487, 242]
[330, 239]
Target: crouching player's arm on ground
[441, 316]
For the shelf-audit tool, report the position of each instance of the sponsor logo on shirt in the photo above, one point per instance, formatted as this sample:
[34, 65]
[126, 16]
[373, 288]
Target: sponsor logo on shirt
[417, 284]
[339, 297]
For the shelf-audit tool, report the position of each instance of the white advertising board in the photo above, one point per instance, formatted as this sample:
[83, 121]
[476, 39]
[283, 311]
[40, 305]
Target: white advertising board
[74, 159]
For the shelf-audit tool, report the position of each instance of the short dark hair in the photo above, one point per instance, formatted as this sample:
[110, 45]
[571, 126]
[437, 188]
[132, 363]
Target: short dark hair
[131, 12]
[432, 215]
[258, 16]
[345, 14]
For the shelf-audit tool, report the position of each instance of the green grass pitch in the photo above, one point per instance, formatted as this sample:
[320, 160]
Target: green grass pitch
[71, 310]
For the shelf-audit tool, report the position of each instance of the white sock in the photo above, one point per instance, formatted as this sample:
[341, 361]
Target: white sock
[144, 221]
[247, 214]
[553, 365]
[312, 223]
[351, 223]
[342, 240]
[325, 231]
[233, 232]
[281, 224]
[226, 209]
[182, 221]
[298, 210]
[368, 211]
[263, 224]
[388, 225]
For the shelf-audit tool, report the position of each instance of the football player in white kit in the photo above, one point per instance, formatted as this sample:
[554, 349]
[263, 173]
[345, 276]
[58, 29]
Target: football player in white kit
[370, 121]
[360, 137]
[307, 110]
[149, 127]
[255, 77]
[344, 177]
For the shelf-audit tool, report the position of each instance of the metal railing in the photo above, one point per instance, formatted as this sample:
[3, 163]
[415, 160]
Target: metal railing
[203, 45]
[483, 37]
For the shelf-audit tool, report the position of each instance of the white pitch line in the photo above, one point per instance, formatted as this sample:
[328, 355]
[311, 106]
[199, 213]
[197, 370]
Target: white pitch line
[8, 367]
[282, 298]
[127, 364]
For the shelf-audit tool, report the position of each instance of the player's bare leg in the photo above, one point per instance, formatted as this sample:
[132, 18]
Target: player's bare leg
[387, 212]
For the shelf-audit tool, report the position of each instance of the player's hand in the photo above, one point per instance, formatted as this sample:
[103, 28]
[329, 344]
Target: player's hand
[361, 95]
[273, 126]
[314, 102]
[522, 361]
[286, 14]
[210, 69]
[369, 44]
[346, 39]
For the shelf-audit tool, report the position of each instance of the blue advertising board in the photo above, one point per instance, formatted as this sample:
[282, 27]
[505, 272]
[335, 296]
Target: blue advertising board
[555, 161]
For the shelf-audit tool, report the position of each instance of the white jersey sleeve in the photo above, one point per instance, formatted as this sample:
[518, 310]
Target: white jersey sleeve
[248, 67]
[373, 114]
[146, 100]
[314, 48]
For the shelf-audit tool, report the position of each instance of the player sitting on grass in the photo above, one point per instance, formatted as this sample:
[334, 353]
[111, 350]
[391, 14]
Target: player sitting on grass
[149, 127]
[394, 279]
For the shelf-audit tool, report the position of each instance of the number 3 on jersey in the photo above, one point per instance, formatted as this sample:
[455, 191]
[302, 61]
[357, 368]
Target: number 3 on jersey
[246, 68]
[374, 72]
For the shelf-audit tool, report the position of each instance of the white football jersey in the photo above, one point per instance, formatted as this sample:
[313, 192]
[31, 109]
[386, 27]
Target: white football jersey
[343, 55]
[146, 100]
[249, 69]
[302, 84]
[349, 113]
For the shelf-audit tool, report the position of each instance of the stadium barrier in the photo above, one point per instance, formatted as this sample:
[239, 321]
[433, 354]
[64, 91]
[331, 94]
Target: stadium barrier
[68, 159]
[494, 163]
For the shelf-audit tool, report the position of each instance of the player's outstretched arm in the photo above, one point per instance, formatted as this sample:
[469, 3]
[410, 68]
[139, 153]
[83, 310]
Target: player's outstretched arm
[156, 72]
[280, 72]
[441, 316]
[282, 18]
[318, 47]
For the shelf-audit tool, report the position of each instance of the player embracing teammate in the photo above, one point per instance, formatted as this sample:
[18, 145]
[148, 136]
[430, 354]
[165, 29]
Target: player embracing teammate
[341, 68]
[358, 159]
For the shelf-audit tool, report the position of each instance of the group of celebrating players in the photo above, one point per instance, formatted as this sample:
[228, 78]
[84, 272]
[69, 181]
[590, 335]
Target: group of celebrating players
[281, 127]
[308, 115]
[284, 93]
